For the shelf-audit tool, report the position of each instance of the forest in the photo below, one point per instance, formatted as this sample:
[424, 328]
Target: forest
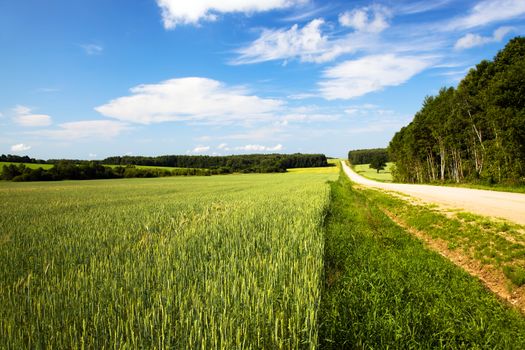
[366, 156]
[66, 170]
[473, 133]
[182, 166]
[253, 163]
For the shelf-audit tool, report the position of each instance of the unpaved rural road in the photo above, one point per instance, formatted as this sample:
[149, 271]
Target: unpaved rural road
[505, 205]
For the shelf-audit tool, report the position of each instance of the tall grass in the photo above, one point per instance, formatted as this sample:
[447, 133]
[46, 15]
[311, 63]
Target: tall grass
[384, 290]
[185, 263]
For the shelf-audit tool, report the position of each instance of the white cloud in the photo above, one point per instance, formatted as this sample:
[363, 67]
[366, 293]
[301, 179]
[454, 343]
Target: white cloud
[422, 6]
[92, 155]
[373, 19]
[489, 11]
[472, 40]
[24, 117]
[368, 74]
[189, 99]
[223, 146]
[20, 147]
[92, 129]
[308, 44]
[259, 148]
[352, 111]
[92, 49]
[201, 149]
[175, 12]
[303, 96]
[33, 120]
[21, 110]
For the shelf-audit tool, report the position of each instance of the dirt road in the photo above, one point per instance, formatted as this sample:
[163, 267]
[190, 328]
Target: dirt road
[505, 205]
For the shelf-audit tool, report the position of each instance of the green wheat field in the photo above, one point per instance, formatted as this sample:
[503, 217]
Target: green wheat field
[298, 260]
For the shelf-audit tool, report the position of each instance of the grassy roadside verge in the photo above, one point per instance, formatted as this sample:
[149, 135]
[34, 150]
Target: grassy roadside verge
[386, 176]
[372, 174]
[384, 289]
[490, 249]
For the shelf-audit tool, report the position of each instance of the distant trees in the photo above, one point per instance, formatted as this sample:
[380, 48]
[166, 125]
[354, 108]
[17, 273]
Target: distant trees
[250, 163]
[365, 156]
[474, 133]
[20, 159]
[378, 162]
[65, 170]
[85, 170]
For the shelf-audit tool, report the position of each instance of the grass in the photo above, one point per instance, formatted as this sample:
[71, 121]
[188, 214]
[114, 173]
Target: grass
[382, 175]
[386, 176]
[496, 187]
[383, 289]
[187, 263]
[49, 166]
[29, 165]
[264, 261]
[500, 245]
[146, 167]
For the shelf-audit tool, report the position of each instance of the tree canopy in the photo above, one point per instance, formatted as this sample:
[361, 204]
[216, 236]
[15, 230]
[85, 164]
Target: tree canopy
[365, 156]
[472, 133]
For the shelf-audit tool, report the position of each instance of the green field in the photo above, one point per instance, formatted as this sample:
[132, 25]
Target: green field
[146, 167]
[262, 261]
[366, 171]
[29, 165]
[186, 263]
[385, 290]
[49, 166]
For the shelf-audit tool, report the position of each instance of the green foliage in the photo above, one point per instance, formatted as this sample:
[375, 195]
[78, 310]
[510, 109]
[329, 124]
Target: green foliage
[10, 158]
[516, 274]
[251, 163]
[475, 133]
[500, 245]
[365, 156]
[383, 289]
[366, 171]
[66, 170]
[225, 262]
[379, 162]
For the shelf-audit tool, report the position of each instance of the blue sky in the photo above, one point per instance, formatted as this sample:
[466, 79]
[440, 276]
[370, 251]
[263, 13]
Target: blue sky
[89, 79]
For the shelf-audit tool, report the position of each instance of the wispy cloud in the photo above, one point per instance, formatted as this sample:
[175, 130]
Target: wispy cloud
[309, 12]
[489, 11]
[177, 12]
[370, 19]
[24, 117]
[249, 148]
[260, 148]
[472, 40]
[20, 147]
[308, 44]
[358, 77]
[191, 99]
[421, 6]
[86, 129]
[200, 149]
[92, 49]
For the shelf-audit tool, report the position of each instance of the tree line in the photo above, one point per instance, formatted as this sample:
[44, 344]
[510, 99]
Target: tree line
[11, 158]
[366, 156]
[250, 163]
[183, 166]
[472, 133]
[66, 170]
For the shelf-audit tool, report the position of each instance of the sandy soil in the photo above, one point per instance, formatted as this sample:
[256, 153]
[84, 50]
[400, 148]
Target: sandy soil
[504, 205]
